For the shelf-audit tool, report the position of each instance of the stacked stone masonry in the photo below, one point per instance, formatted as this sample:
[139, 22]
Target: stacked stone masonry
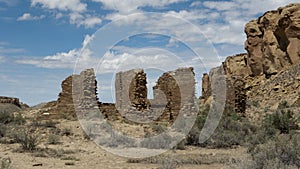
[174, 90]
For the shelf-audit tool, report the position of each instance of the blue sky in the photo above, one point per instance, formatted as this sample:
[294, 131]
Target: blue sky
[40, 40]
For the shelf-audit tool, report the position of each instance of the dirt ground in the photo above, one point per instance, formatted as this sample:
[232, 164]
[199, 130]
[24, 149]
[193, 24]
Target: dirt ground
[76, 152]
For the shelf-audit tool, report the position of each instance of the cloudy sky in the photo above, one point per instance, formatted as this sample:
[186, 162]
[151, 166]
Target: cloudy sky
[41, 41]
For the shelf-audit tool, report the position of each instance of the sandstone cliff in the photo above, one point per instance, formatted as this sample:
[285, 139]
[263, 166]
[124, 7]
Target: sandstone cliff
[273, 41]
[269, 72]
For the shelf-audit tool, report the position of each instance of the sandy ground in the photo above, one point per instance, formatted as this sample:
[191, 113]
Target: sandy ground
[87, 155]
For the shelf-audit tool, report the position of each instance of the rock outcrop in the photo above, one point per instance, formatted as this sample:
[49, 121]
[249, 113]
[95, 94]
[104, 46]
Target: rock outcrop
[10, 100]
[264, 74]
[10, 104]
[273, 41]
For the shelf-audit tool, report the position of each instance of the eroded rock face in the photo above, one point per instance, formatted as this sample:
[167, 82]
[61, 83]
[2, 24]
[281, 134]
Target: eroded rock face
[10, 104]
[10, 100]
[273, 41]
[236, 65]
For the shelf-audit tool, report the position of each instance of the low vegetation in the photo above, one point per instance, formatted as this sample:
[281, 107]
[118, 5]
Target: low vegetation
[27, 140]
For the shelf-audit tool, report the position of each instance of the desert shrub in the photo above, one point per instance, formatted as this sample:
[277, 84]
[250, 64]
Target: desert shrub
[27, 140]
[5, 163]
[6, 117]
[53, 139]
[46, 124]
[242, 162]
[19, 119]
[283, 152]
[283, 105]
[233, 129]
[168, 163]
[281, 120]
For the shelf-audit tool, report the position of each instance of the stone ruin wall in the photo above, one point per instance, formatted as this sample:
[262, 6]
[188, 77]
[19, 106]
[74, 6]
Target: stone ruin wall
[77, 90]
[234, 69]
[178, 89]
[131, 93]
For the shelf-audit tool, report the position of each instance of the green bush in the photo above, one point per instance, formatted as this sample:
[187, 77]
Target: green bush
[27, 140]
[283, 151]
[6, 117]
[233, 129]
[5, 163]
[281, 120]
[19, 119]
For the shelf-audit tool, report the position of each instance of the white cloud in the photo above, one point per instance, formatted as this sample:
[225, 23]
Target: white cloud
[196, 3]
[65, 60]
[222, 22]
[86, 21]
[131, 6]
[172, 43]
[74, 9]
[65, 5]
[28, 16]
[148, 58]
[220, 6]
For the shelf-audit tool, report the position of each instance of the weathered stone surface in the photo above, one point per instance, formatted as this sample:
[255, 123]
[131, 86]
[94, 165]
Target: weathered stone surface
[176, 89]
[232, 92]
[10, 100]
[131, 90]
[79, 94]
[273, 41]
[138, 92]
[206, 89]
[236, 65]
[173, 90]
[13, 101]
